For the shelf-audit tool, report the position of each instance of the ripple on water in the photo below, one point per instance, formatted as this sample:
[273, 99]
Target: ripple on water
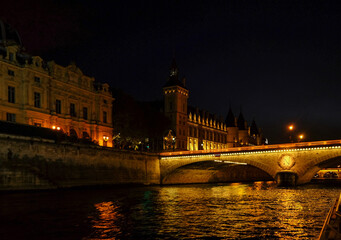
[227, 211]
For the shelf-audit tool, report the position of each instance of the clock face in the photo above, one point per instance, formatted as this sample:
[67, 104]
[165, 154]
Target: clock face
[286, 162]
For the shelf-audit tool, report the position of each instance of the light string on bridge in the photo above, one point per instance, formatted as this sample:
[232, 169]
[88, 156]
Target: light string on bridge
[250, 152]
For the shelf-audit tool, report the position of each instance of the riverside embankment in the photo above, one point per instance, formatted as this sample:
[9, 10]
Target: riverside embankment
[33, 163]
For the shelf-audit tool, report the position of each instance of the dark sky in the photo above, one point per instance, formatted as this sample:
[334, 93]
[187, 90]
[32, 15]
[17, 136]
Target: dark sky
[280, 61]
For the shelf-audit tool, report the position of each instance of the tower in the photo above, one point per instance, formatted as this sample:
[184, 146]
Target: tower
[242, 129]
[232, 129]
[175, 108]
[255, 134]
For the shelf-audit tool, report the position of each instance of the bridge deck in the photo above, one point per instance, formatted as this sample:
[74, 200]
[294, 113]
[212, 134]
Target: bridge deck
[327, 143]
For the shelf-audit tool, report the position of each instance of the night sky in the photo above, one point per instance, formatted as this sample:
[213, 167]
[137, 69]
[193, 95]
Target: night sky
[278, 61]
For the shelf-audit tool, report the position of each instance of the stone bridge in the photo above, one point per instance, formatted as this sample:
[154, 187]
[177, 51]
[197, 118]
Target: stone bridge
[288, 164]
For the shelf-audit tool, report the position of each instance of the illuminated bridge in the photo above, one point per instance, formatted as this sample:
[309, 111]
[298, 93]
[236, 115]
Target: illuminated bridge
[288, 164]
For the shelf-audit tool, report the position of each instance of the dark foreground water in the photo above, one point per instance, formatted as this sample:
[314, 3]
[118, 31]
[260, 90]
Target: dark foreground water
[229, 211]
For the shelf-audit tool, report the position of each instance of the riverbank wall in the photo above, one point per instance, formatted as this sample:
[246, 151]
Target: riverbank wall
[32, 163]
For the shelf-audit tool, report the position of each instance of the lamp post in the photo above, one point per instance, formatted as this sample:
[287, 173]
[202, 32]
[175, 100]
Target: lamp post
[291, 128]
[300, 137]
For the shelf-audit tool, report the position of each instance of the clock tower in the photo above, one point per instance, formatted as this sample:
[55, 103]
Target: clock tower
[175, 106]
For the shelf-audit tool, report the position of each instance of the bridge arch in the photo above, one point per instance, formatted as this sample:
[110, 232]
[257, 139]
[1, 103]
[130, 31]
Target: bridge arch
[214, 172]
[309, 170]
[170, 166]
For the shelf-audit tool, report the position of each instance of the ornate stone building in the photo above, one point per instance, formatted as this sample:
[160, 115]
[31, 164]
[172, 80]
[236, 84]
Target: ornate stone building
[195, 129]
[48, 95]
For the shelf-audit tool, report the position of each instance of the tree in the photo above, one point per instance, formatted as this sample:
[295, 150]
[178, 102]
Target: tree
[138, 125]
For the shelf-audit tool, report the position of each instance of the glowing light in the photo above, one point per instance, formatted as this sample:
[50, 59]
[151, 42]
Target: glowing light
[301, 136]
[58, 128]
[105, 138]
[291, 127]
[53, 127]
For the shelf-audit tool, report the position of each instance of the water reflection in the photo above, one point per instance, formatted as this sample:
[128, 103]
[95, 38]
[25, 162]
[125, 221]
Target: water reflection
[106, 222]
[257, 210]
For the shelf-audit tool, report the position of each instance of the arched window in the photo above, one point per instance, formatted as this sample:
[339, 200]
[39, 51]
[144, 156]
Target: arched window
[85, 135]
[73, 135]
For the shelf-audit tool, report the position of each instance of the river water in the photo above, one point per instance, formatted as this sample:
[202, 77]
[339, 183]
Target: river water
[257, 210]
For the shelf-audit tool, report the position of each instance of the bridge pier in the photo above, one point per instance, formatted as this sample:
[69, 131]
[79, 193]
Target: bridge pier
[286, 179]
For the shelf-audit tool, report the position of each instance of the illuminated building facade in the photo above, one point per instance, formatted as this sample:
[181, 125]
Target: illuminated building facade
[195, 129]
[48, 95]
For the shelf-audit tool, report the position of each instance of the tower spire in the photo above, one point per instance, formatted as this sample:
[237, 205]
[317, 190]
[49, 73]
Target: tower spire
[230, 122]
[173, 79]
[241, 120]
[174, 69]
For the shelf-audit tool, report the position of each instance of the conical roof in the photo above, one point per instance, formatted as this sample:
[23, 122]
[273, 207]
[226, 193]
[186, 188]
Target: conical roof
[229, 121]
[241, 121]
[254, 128]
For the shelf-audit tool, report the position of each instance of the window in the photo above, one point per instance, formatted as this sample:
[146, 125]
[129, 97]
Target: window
[85, 113]
[170, 106]
[37, 100]
[105, 101]
[11, 56]
[37, 79]
[10, 117]
[58, 106]
[72, 110]
[105, 117]
[10, 72]
[37, 124]
[11, 94]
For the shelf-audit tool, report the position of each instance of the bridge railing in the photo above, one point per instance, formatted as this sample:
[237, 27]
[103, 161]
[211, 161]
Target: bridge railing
[256, 148]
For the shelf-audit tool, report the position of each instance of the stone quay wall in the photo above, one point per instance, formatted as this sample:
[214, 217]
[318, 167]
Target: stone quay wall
[29, 163]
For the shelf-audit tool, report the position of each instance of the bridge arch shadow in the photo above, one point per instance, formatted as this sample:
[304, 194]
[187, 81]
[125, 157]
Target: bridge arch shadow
[215, 172]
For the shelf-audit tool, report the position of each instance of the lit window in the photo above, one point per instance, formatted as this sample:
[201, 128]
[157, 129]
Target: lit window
[72, 110]
[11, 94]
[105, 117]
[58, 106]
[37, 124]
[10, 72]
[37, 100]
[85, 113]
[10, 117]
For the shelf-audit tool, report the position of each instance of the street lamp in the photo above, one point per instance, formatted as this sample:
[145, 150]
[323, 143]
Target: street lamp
[291, 128]
[300, 137]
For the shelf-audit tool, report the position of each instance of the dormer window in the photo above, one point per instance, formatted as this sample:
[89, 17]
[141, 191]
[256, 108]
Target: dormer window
[10, 72]
[37, 63]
